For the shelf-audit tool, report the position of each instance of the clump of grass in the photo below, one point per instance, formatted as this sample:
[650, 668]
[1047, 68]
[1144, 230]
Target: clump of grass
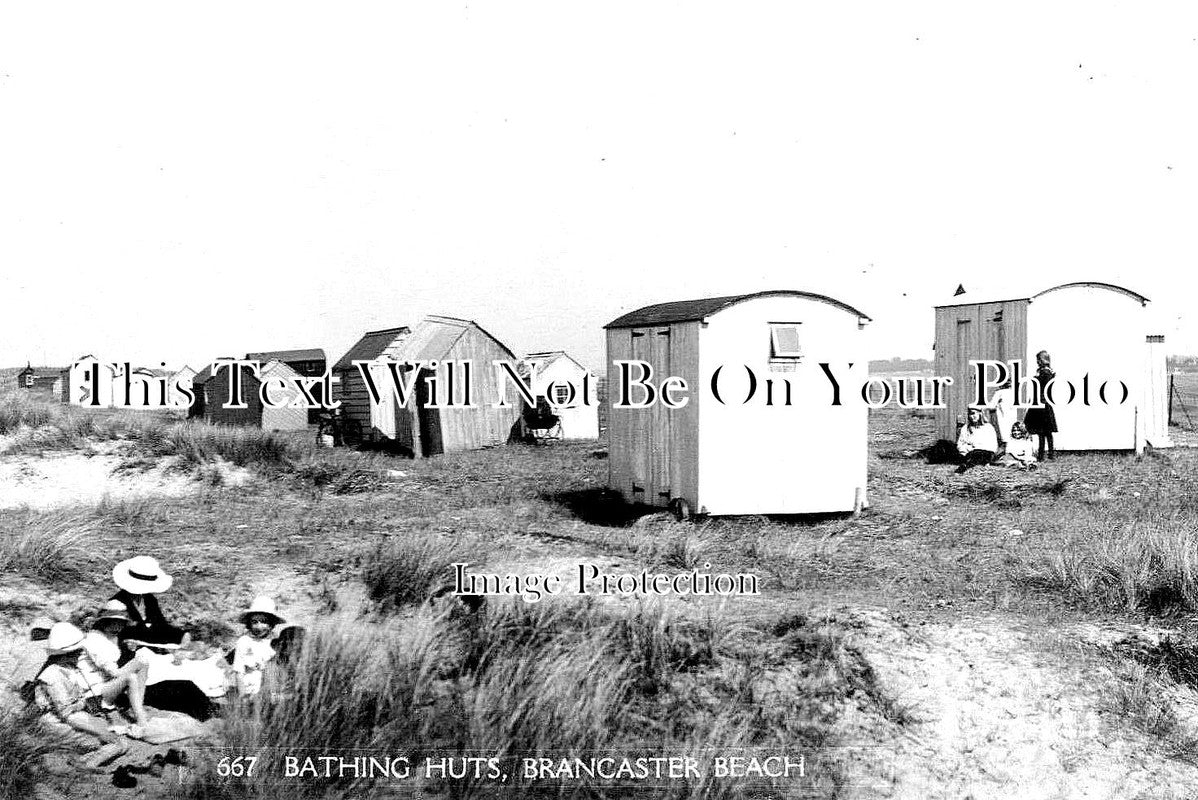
[22, 750]
[20, 409]
[1144, 565]
[201, 443]
[1142, 695]
[352, 687]
[557, 680]
[51, 546]
[409, 569]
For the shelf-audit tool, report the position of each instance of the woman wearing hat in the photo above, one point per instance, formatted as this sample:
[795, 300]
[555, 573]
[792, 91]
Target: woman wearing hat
[254, 649]
[140, 579]
[65, 695]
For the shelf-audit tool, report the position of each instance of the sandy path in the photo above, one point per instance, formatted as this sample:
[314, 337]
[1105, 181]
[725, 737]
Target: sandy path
[999, 716]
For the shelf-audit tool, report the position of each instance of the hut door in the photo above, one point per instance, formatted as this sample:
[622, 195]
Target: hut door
[429, 418]
[651, 429]
[961, 354]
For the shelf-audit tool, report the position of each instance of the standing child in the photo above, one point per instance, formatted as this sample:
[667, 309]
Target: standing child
[1042, 421]
[254, 649]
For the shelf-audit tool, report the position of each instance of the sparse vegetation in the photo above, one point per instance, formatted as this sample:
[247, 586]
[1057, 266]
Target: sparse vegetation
[409, 569]
[1096, 536]
[1148, 564]
[51, 546]
[23, 746]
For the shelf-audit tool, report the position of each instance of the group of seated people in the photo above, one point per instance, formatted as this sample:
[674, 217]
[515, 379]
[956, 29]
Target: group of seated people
[133, 658]
[979, 443]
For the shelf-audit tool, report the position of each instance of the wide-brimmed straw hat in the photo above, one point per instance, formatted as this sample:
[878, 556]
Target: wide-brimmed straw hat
[64, 638]
[113, 609]
[141, 575]
[262, 605]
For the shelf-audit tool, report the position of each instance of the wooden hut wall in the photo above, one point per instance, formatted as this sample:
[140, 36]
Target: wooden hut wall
[965, 333]
[218, 397]
[653, 452]
[482, 426]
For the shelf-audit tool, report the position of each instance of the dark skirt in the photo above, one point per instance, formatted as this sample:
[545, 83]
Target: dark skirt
[1043, 420]
[183, 696]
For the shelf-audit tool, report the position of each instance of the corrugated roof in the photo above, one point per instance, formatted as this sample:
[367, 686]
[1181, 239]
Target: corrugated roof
[690, 310]
[370, 346]
[311, 354]
[430, 340]
[44, 372]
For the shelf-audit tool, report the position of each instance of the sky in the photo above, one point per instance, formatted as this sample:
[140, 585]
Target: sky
[180, 183]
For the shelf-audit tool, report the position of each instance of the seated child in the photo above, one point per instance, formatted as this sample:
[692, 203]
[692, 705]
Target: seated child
[68, 700]
[253, 649]
[1020, 451]
[103, 652]
[977, 442]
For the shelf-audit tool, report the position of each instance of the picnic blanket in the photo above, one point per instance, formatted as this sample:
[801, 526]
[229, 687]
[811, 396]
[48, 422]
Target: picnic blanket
[171, 726]
[209, 673]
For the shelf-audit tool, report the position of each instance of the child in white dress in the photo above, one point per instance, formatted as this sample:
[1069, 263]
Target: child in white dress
[253, 650]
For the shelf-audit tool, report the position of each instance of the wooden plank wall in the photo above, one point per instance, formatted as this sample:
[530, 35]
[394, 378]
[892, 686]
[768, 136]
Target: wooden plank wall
[970, 333]
[684, 427]
[619, 423]
[485, 425]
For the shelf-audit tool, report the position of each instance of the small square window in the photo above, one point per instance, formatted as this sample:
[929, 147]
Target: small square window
[784, 340]
[561, 394]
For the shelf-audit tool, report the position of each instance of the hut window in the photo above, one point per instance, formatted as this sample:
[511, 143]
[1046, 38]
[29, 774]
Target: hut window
[784, 340]
[561, 394]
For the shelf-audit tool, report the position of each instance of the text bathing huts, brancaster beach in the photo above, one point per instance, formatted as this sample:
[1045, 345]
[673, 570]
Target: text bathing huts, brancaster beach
[1089, 328]
[800, 454]
[415, 426]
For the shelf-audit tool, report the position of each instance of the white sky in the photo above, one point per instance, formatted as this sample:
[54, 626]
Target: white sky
[177, 186]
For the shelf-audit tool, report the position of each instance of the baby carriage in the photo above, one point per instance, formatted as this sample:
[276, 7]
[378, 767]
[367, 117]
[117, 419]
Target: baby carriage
[541, 423]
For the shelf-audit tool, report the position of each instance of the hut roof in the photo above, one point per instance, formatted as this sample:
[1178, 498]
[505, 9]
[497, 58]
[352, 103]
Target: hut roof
[691, 310]
[370, 346]
[975, 295]
[436, 335]
[44, 372]
[311, 354]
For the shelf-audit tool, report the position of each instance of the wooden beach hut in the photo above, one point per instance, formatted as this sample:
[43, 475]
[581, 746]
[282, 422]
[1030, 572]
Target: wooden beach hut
[1095, 332]
[53, 383]
[555, 372]
[279, 417]
[417, 427]
[795, 452]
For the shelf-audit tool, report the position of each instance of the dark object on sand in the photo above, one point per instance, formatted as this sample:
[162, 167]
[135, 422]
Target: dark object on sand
[123, 779]
[182, 696]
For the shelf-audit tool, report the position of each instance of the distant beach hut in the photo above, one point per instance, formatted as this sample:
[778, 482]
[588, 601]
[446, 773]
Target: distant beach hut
[417, 427]
[556, 372]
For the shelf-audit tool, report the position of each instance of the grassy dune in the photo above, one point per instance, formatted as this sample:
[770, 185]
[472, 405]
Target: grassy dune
[1094, 537]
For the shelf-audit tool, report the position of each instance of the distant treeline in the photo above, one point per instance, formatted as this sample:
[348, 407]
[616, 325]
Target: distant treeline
[897, 364]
